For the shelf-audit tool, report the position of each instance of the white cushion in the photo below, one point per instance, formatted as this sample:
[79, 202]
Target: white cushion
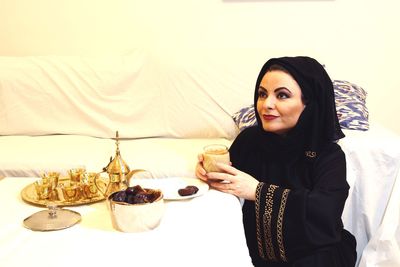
[163, 157]
[141, 94]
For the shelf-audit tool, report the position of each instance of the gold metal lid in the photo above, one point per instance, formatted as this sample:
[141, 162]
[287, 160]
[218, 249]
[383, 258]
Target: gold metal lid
[52, 219]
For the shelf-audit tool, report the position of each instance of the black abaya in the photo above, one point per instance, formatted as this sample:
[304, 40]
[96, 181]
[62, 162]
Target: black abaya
[296, 217]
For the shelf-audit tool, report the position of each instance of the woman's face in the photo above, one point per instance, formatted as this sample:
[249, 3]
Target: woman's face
[279, 103]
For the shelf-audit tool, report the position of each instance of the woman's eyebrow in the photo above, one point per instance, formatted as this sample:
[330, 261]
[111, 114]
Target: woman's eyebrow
[282, 88]
[276, 89]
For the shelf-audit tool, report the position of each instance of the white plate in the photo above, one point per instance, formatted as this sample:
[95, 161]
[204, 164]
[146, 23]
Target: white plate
[170, 186]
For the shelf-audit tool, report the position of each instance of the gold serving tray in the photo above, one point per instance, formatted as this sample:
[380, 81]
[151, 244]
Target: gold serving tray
[30, 196]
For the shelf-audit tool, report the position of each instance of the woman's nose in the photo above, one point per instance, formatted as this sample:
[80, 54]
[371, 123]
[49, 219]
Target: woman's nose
[269, 103]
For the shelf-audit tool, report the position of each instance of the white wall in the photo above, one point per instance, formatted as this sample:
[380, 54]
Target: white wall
[356, 39]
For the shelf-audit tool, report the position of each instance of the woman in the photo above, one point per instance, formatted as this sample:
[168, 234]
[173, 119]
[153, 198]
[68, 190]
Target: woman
[290, 170]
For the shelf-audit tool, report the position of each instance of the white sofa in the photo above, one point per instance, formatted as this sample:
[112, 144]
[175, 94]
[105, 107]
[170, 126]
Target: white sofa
[57, 113]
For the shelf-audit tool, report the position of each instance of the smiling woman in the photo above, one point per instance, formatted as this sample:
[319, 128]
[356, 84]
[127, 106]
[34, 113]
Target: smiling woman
[279, 101]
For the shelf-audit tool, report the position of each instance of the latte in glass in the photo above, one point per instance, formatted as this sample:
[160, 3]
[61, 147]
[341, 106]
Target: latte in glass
[214, 154]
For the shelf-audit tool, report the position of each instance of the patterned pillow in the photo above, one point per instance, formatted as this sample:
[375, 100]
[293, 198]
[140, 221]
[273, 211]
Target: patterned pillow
[350, 107]
[245, 117]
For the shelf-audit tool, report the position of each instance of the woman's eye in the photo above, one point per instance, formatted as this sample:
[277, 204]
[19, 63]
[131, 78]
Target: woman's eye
[282, 95]
[262, 94]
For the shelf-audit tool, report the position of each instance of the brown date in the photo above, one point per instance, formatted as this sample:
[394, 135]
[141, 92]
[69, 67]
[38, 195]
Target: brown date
[188, 190]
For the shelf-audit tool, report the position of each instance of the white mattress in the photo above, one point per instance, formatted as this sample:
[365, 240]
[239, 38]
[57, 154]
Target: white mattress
[28, 156]
[373, 161]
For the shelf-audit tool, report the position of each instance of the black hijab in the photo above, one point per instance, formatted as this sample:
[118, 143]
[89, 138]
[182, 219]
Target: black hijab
[318, 123]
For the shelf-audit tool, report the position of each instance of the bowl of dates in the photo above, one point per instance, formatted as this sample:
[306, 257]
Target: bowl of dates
[136, 209]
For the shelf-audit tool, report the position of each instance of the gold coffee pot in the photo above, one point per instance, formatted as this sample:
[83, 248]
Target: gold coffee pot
[118, 172]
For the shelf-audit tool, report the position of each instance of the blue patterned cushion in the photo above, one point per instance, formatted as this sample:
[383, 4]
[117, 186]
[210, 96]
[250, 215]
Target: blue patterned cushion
[245, 117]
[350, 107]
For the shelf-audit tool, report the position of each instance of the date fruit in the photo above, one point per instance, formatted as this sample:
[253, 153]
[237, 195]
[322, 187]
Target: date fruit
[188, 190]
[136, 195]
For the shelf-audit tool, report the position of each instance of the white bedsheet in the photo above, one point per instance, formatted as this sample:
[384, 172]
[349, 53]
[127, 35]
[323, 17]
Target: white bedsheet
[373, 162]
[203, 231]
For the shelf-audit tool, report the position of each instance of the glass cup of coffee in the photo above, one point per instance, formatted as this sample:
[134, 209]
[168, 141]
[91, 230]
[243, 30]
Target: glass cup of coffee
[213, 154]
[76, 174]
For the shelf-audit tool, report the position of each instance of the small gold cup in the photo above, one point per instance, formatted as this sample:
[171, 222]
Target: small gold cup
[42, 190]
[76, 175]
[71, 192]
[53, 178]
[46, 187]
[89, 187]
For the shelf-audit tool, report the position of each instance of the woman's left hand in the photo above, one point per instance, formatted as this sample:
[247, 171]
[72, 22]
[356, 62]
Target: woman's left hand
[233, 181]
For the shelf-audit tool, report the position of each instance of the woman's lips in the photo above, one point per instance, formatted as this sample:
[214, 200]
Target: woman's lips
[269, 117]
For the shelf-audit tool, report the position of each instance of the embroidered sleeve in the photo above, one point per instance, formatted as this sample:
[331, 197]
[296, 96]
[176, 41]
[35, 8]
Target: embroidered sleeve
[270, 210]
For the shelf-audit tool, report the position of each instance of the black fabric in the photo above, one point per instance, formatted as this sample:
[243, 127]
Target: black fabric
[316, 188]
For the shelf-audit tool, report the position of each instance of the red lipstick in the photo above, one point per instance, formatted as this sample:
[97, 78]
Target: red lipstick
[269, 117]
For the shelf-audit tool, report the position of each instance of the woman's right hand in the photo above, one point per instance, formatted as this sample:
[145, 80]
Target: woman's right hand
[200, 171]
